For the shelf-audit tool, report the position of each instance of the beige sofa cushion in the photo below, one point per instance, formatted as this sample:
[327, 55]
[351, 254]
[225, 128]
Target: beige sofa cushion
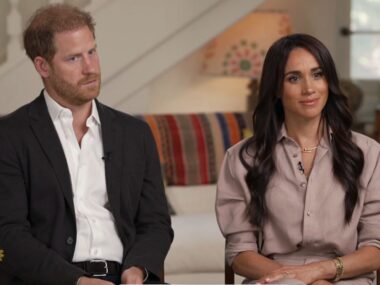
[198, 245]
[197, 199]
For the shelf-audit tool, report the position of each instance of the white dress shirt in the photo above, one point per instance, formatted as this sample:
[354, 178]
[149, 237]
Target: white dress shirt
[97, 237]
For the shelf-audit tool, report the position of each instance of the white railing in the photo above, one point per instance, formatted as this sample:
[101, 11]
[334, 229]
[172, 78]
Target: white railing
[14, 28]
[14, 31]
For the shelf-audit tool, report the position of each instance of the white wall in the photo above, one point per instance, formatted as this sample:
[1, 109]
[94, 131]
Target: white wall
[322, 19]
[184, 89]
[195, 23]
[137, 40]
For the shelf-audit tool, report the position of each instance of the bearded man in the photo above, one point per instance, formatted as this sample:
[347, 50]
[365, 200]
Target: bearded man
[81, 194]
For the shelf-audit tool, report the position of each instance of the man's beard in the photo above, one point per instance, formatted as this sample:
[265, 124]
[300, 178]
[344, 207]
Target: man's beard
[76, 94]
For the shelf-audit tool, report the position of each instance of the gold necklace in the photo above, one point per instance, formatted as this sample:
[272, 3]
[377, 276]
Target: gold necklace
[309, 149]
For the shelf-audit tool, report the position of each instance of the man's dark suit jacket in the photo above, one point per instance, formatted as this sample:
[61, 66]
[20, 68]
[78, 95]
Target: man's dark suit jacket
[37, 219]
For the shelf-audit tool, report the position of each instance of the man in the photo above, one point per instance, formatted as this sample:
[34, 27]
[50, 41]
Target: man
[81, 195]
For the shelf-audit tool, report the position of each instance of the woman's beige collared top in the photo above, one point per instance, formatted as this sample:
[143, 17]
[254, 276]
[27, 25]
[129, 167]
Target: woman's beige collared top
[305, 217]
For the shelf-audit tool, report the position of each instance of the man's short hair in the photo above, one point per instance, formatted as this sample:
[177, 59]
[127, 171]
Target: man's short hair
[49, 20]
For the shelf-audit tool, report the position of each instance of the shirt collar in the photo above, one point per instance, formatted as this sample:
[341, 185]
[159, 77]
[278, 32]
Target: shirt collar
[327, 137]
[94, 114]
[55, 110]
[325, 140]
[282, 134]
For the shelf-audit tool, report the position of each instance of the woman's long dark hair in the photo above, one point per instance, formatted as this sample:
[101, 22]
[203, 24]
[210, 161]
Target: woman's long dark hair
[268, 117]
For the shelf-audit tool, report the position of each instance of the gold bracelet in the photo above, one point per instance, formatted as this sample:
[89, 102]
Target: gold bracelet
[339, 268]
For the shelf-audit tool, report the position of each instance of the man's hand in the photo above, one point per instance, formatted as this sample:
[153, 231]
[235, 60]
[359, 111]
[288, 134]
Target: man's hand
[132, 275]
[93, 281]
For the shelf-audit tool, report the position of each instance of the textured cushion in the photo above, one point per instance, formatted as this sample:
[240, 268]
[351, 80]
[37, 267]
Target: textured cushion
[200, 278]
[192, 146]
[196, 278]
[198, 245]
[195, 199]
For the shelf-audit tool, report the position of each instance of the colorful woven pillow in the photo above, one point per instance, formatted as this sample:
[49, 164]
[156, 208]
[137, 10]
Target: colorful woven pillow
[192, 146]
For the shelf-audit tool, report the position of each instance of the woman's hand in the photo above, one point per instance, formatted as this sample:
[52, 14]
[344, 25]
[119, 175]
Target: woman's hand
[321, 282]
[307, 274]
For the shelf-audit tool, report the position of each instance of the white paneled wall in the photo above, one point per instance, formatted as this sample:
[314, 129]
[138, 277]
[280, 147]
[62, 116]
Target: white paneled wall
[160, 43]
[138, 40]
[151, 52]
[182, 88]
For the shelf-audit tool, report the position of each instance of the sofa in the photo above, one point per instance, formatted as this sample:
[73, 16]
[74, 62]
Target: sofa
[191, 149]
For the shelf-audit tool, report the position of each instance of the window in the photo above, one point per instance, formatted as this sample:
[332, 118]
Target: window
[365, 39]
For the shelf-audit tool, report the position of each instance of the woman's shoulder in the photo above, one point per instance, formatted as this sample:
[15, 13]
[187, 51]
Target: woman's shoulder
[371, 153]
[242, 149]
[237, 146]
[235, 149]
[367, 145]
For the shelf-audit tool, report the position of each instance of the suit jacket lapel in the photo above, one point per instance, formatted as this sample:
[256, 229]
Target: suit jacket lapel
[113, 158]
[45, 132]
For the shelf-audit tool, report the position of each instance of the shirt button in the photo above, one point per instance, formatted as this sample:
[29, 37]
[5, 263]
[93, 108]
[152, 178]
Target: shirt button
[308, 213]
[69, 241]
[295, 155]
[303, 185]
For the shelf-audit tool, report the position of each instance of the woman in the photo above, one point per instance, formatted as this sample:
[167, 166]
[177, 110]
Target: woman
[299, 202]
